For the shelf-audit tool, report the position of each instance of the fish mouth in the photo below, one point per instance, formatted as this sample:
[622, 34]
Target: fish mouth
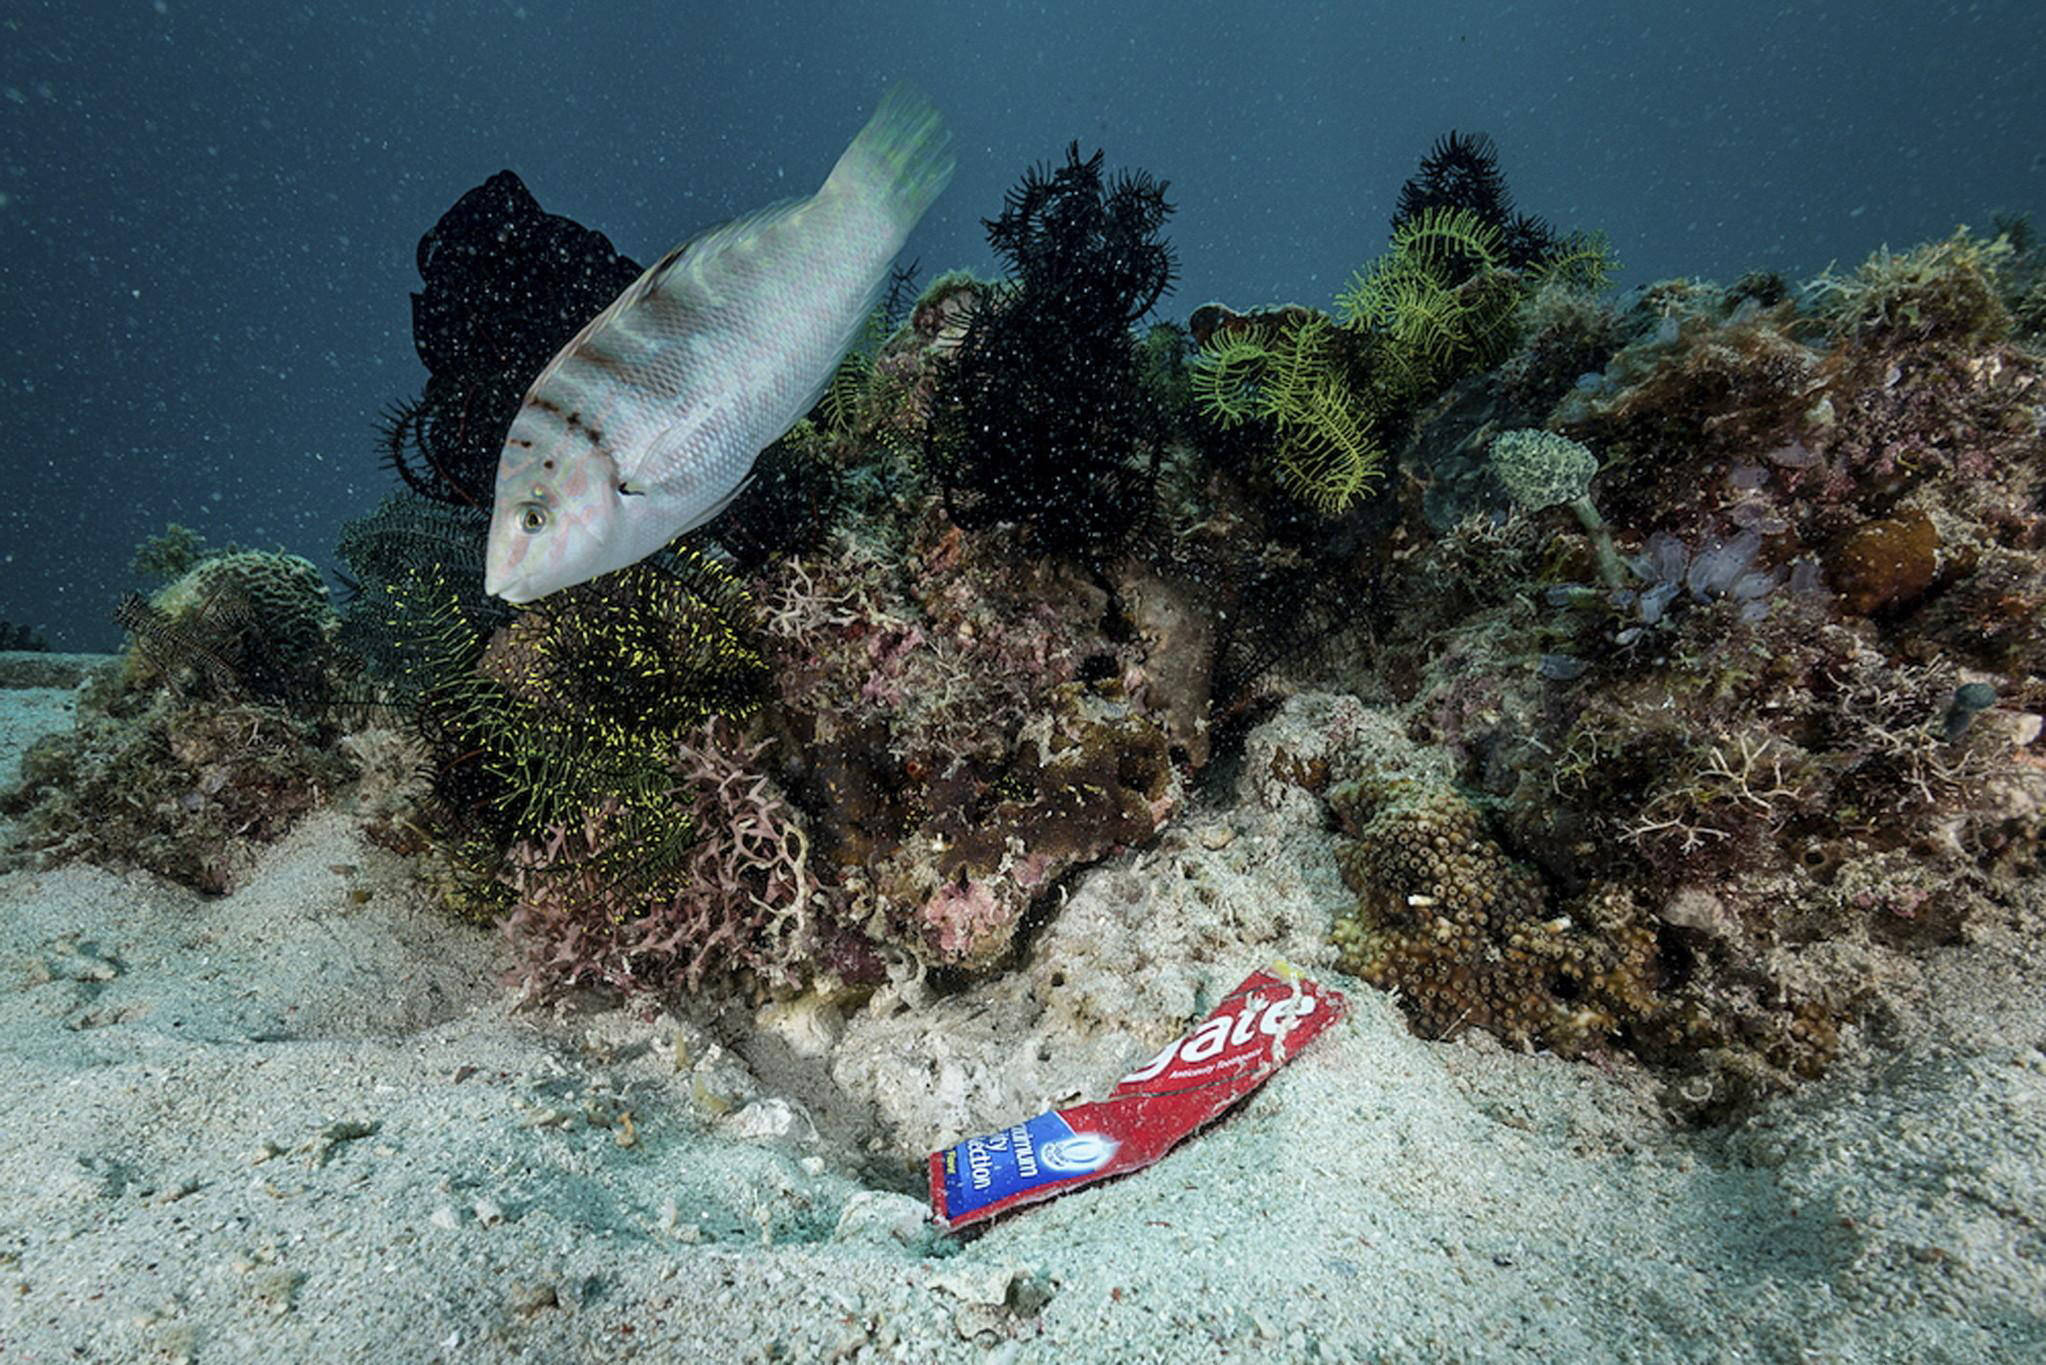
[498, 583]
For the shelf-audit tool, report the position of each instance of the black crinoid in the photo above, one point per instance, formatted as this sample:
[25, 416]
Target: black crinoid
[507, 285]
[1462, 172]
[1041, 418]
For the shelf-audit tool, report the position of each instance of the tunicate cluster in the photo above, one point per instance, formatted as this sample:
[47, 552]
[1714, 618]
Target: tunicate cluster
[1671, 572]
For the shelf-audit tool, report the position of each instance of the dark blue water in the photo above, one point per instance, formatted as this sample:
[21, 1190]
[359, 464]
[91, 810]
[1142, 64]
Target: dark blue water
[208, 211]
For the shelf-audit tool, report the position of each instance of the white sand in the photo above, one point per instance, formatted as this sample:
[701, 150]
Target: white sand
[181, 1175]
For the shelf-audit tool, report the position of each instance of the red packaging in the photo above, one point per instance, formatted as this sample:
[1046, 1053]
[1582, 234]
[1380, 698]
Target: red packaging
[1257, 1029]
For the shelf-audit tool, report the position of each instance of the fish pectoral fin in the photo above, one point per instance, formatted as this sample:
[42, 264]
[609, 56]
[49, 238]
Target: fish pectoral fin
[728, 499]
[716, 509]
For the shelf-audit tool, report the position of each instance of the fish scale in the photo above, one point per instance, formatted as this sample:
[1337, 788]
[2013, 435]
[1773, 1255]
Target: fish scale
[647, 424]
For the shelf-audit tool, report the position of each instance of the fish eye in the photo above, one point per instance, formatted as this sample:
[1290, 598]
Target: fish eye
[532, 516]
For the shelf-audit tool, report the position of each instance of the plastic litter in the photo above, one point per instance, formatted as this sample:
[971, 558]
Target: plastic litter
[1258, 1028]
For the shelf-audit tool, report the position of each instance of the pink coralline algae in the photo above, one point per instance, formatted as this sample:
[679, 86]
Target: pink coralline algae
[962, 916]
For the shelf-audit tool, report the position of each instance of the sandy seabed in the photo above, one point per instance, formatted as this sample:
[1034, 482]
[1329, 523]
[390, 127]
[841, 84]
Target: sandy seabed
[308, 1121]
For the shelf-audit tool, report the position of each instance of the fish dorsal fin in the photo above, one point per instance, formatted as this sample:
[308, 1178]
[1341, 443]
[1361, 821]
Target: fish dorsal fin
[678, 278]
[675, 283]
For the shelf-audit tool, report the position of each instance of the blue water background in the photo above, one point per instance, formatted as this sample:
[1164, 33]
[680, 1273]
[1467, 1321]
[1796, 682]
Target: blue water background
[208, 211]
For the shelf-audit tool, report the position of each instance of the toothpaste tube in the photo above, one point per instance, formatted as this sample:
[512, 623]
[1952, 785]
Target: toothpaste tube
[1260, 1027]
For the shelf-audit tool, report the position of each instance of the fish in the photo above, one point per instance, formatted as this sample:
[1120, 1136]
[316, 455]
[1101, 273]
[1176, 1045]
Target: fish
[647, 424]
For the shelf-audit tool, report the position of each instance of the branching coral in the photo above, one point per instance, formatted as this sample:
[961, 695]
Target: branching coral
[745, 902]
[1885, 725]
[1746, 787]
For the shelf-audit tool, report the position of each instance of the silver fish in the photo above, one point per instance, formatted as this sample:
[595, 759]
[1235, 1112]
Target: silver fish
[648, 423]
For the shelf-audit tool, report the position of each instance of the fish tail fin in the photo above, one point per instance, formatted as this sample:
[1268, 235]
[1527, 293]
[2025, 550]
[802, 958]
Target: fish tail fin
[900, 162]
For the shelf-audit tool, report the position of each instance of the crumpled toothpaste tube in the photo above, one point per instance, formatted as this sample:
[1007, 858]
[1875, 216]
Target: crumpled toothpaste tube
[1260, 1027]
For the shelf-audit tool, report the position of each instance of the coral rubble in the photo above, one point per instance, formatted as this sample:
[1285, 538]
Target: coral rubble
[215, 730]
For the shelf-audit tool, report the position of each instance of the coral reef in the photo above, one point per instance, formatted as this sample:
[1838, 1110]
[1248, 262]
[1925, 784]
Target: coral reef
[1795, 744]
[745, 900]
[239, 624]
[181, 788]
[968, 722]
[214, 731]
[1691, 775]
